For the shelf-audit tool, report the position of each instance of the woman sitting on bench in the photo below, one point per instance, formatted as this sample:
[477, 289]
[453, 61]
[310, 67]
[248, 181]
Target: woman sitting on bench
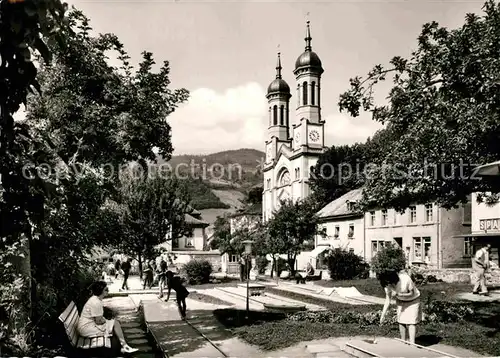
[93, 324]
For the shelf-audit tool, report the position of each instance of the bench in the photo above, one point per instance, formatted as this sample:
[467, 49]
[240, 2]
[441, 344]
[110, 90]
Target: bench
[301, 277]
[70, 318]
[315, 277]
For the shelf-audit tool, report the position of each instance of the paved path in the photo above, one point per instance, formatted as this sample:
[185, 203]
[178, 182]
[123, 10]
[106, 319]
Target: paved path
[134, 332]
[201, 336]
[336, 345]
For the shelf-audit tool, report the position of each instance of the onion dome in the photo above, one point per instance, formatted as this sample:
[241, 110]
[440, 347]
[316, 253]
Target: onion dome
[279, 84]
[308, 59]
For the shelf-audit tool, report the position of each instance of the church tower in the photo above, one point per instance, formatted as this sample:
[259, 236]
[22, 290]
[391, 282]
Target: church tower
[293, 149]
[278, 97]
[307, 73]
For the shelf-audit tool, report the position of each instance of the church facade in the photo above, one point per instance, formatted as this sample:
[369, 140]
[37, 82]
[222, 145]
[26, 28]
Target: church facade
[294, 143]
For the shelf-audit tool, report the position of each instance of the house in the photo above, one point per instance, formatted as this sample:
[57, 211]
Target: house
[426, 233]
[343, 228]
[187, 248]
[485, 229]
[429, 235]
[247, 217]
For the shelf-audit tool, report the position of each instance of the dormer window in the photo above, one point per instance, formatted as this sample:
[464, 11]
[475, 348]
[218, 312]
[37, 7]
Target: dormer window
[351, 205]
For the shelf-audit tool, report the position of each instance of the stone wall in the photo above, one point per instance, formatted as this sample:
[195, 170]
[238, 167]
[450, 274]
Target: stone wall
[461, 275]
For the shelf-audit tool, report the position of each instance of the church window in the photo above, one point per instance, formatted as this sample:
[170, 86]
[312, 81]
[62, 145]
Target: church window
[298, 173]
[313, 94]
[285, 178]
[275, 115]
[282, 115]
[304, 93]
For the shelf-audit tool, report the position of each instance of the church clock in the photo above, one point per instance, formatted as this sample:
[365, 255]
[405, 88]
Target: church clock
[269, 152]
[297, 138]
[314, 135]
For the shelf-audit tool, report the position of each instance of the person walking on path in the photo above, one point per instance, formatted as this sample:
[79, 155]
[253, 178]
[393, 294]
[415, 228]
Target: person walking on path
[242, 268]
[181, 292]
[148, 275]
[92, 323]
[481, 264]
[162, 272]
[409, 311]
[117, 268]
[125, 267]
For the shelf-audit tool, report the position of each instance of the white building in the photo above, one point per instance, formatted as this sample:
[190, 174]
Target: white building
[344, 228]
[426, 233]
[292, 149]
[485, 228]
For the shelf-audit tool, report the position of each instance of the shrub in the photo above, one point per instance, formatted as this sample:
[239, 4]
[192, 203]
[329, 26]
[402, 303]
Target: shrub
[420, 277]
[261, 262]
[389, 258]
[345, 265]
[197, 271]
[447, 312]
[343, 317]
[434, 312]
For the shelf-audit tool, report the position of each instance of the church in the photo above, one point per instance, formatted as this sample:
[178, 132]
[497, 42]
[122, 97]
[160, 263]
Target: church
[293, 149]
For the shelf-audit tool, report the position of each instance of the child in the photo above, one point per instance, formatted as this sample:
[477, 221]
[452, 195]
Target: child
[181, 292]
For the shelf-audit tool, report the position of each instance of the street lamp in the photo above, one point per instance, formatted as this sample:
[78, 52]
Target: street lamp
[248, 253]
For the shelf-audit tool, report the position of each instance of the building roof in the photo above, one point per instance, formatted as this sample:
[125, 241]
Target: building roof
[338, 207]
[195, 222]
[251, 210]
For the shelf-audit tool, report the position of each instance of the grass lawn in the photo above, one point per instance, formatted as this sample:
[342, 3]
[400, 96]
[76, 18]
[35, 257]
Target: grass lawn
[208, 299]
[371, 286]
[268, 330]
[225, 282]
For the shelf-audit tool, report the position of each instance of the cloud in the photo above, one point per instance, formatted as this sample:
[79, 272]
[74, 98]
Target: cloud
[341, 129]
[212, 121]
[237, 118]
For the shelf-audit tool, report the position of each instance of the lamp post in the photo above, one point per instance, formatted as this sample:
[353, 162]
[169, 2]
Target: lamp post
[248, 253]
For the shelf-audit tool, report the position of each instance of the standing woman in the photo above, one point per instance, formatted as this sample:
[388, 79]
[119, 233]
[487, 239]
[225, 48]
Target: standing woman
[409, 311]
[93, 324]
[181, 292]
[118, 266]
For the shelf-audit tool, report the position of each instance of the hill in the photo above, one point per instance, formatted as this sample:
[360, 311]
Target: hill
[237, 168]
[218, 182]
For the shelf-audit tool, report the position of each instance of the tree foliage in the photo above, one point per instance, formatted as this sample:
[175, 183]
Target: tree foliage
[149, 209]
[443, 109]
[292, 228]
[389, 258]
[61, 164]
[228, 240]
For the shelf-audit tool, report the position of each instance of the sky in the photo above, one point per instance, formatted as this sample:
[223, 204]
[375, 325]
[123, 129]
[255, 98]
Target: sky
[224, 53]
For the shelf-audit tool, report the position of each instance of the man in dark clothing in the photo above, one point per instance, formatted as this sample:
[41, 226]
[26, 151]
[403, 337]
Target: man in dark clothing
[126, 271]
[181, 292]
[162, 278]
[242, 269]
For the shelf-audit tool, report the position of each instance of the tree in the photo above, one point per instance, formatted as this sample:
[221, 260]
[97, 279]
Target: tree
[292, 228]
[61, 165]
[338, 170]
[251, 228]
[254, 195]
[222, 235]
[151, 208]
[443, 110]
[25, 29]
